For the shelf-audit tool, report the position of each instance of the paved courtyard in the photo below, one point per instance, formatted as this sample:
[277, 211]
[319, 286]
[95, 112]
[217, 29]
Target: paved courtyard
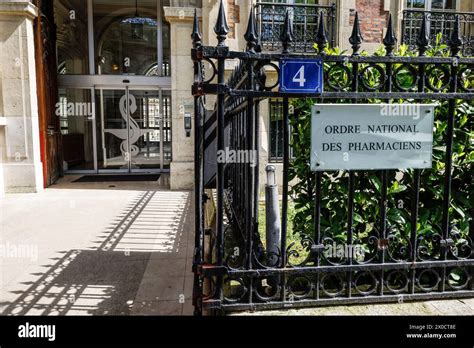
[120, 249]
[97, 249]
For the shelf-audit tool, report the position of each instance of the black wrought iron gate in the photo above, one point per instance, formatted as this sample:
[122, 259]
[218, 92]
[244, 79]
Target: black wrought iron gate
[231, 269]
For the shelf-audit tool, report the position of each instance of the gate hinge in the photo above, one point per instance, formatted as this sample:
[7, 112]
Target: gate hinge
[200, 88]
[215, 52]
[197, 89]
[196, 54]
[208, 270]
[211, 304]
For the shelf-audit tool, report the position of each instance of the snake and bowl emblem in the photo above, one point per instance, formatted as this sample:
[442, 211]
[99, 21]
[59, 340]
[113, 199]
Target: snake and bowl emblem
[134, 133]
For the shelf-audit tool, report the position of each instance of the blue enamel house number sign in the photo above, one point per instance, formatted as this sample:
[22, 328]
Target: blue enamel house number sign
[301, 76]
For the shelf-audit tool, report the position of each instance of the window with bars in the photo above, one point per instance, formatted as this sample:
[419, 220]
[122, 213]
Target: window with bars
[305, 14]
[309, 2]
[440, 14]
[431, 4]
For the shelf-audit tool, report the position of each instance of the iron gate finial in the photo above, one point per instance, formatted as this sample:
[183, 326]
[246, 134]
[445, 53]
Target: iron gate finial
[385, 265]
[287, 34]
[222, 28]
[251, 35]
[321, 38]
[455, 41]
[423, 40]
[356, 37]
[196, 35]
[390, 40]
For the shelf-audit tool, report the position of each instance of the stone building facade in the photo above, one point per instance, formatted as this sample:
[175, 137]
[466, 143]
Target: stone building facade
[130, 62]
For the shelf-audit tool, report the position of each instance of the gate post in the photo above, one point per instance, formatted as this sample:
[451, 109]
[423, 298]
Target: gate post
[198, 172]
[221, 30]
[272, 217]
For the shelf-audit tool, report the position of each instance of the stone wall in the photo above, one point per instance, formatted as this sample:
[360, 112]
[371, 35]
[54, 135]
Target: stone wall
[373, 17]
[20, 162]
[181, 20]
[182, 166]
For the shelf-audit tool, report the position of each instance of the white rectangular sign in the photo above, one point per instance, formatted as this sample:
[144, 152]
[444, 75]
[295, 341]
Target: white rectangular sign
[371, 136]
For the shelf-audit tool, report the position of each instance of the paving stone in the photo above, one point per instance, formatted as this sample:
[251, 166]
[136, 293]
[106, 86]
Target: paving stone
[165, 267]
[453, 307]
[469, 302]
[161, 289]
[188, 308]
[157, 308]
[188, 286]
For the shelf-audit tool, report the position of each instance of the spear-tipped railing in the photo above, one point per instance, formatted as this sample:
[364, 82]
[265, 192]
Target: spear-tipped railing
[441, 22]
[230, 267]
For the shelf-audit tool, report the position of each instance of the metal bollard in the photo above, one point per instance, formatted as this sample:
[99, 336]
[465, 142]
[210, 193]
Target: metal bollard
[273, 221]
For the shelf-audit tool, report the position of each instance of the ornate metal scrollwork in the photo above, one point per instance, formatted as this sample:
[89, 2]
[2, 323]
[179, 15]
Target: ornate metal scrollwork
[332, 284]
[300, 287]
[429, 247]
[299, 253]
[373, 77]
[427, 279]
[397, 281]
[365, 283]
[458, 278]
[234, 289]
[466, 79]
[438, 78]
[338, 77]
[399, 247]
[262, 76]
[460, 246]
[348, 250]
[267, 288]
[405, 77]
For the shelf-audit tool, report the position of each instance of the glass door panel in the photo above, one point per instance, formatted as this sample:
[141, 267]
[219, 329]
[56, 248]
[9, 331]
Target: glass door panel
[112, 131]
[76, 112]
[150, 130]
[132, 134]
[167, 135]
[145, 126]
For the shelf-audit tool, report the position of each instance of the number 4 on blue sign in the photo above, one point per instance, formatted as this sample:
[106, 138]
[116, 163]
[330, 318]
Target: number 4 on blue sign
[301, 76]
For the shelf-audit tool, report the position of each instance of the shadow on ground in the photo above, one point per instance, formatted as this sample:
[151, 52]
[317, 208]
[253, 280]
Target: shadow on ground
[105, 279]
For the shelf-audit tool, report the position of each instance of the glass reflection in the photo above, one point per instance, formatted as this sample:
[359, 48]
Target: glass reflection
[71, 35]
[127, 35]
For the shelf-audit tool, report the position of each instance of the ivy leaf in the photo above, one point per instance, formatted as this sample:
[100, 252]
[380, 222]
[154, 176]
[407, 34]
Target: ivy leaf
[376, 182]
[458, 210]
[358, 218]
